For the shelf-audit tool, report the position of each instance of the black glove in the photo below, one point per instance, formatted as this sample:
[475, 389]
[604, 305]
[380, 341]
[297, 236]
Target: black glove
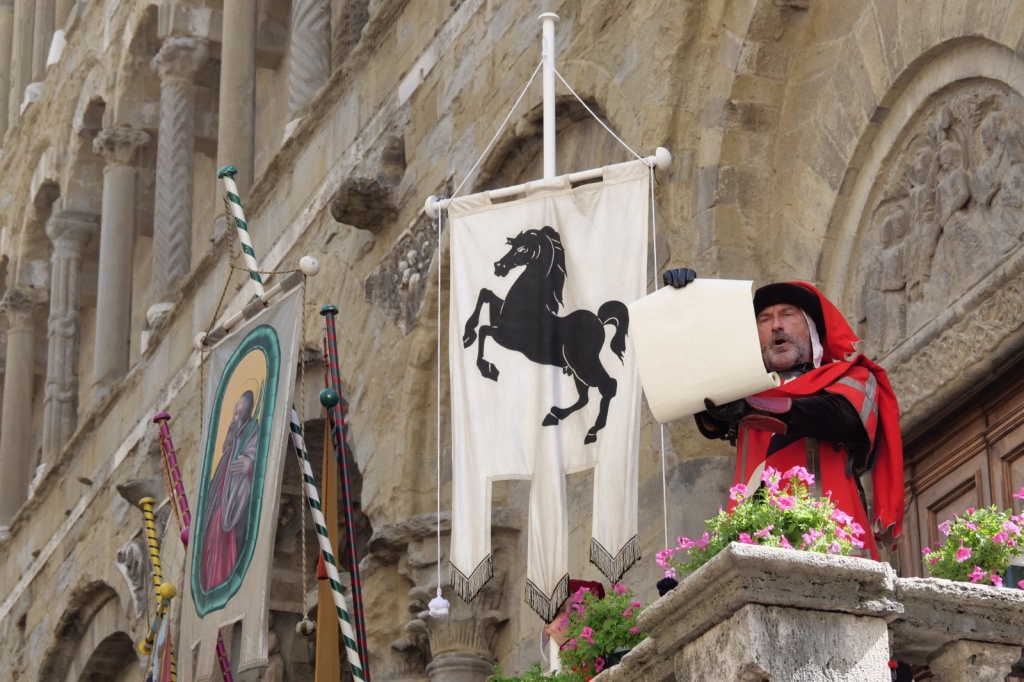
[678, 277]
[763, 414]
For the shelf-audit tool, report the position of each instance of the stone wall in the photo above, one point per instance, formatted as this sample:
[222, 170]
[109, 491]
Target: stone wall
[871, 147]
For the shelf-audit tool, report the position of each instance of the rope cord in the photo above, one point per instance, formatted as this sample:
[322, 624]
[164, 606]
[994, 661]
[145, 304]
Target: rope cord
[438, 251]
[596, 117]
[495, 138]
[664, 473]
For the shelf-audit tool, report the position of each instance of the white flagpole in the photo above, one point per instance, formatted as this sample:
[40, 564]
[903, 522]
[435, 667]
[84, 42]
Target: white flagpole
[547, 50]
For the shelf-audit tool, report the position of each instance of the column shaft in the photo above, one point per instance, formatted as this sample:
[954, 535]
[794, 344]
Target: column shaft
[69, 232]
[237, 119]
[6, 47]
[117, 242]
[16, 436]
[42, 32]
[21, 57]
[177, 63]
[309, 52]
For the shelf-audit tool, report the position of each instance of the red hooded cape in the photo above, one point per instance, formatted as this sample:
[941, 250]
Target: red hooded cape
[839, 358]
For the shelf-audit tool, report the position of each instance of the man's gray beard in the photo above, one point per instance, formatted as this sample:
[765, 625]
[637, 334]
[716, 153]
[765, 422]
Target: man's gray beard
[800, 353]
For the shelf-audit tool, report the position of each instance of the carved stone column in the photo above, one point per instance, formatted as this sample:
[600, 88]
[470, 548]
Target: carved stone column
[460, 646]
[6, 46]
[69, 231]
[177, 62]
[42, 32]
[16, 438]
[21, 57]
[236, 121]
[310, 52]
[118, 146]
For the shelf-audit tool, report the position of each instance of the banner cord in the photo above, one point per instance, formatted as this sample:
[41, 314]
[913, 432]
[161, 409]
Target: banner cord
[493, 139]
[598, 119]
[664, 475]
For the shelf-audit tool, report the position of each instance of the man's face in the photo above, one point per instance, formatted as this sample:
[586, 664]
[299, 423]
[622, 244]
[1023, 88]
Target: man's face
[784, 336]
[241, 412]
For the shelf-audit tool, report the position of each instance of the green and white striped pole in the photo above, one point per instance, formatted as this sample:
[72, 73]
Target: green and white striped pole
[347, 633]
[227, 174]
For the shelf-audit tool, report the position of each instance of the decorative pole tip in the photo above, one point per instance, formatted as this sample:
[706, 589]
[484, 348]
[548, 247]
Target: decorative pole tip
[184, 538]
[549, 15]
[161, 417]
[439, 606]
[166, 591]
[329, 397]
[305, 627]
[310, 266]
[329, 309]
[229, 171]
[662, 158]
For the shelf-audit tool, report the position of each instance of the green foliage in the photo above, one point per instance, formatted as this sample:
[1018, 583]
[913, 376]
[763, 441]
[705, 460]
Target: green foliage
[779, 514]
[599, 627]
[978, 546]
[535, 674]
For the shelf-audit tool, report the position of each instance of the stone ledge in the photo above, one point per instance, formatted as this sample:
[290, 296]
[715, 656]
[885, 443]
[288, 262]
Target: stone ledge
[982, 613]
[750, 574]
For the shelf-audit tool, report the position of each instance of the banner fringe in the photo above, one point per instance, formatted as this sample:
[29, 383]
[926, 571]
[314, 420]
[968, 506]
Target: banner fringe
[614, 567]
[547, 608]
[467, 587]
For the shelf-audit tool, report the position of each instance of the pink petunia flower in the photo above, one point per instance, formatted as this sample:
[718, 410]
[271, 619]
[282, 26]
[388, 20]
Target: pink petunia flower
[1011, 527]
[841, 517]
[598, 664]
[767, 530]
[704, 541]
[834, 548]
[977, 574]
[970, 526]
[746, 539]
[996, 579]
[1019, 494]
[588, 633]
[1000, 537]
[619, 589]
[784, 543]
[634, 630]
[738, 492]
[783, 502]
[944, 526]
[963, 554]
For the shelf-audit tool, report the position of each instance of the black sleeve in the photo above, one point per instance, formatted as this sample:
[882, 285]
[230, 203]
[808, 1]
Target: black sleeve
[711, 428]
[827, 417]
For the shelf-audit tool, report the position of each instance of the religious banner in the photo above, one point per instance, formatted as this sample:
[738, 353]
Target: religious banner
[250, 378]
[544, 382]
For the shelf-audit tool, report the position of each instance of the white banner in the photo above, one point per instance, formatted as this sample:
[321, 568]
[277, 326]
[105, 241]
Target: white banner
[544, 381]
[250, 377]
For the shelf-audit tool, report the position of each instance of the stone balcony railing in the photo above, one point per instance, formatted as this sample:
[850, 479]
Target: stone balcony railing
[771, 615]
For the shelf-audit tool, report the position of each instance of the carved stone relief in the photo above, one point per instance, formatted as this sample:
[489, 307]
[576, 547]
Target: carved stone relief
[947, 210]
[133, 563]
[398, 283]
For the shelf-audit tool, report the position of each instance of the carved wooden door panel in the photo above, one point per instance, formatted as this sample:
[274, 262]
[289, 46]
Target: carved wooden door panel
[971, 457]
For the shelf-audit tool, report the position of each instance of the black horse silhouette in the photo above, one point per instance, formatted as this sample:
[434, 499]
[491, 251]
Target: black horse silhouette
[527, 321]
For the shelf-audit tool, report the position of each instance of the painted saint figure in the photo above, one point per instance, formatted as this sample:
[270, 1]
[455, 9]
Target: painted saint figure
[229, 493]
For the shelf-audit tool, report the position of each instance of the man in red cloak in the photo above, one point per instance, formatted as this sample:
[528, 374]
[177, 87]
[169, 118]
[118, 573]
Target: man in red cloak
[834, 414]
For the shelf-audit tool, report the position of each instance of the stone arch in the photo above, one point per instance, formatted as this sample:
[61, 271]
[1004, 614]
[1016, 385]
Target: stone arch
[91, 631]
[939, 338]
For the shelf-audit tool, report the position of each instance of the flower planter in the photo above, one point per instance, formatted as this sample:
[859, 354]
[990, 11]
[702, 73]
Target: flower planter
[780, 614]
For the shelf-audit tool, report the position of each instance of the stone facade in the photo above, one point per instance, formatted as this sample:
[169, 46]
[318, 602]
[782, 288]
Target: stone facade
[872, 147]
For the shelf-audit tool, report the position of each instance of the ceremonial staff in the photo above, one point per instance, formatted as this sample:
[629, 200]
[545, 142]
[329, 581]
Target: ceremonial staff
[164, 591]
[171, 462]
[227, 174]
[352, 652]
[339, 430]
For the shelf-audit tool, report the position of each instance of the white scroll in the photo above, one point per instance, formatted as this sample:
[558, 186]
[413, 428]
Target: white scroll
[697, 342]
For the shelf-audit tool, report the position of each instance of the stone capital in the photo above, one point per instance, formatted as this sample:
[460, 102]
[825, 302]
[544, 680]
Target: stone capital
[18, 305]
[180, 57]
[70, 230]
[119, 144]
